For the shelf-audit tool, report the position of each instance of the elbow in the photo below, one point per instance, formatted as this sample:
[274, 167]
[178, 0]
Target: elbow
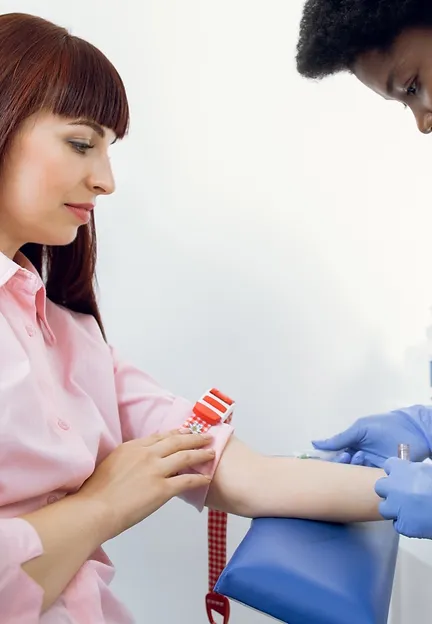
[238, 490]
[232, 503]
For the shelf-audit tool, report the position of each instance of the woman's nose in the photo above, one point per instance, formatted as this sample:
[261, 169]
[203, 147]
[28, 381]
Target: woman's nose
[102, 180]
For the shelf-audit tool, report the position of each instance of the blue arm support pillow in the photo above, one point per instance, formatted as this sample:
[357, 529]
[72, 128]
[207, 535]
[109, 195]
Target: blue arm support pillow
[306, 572]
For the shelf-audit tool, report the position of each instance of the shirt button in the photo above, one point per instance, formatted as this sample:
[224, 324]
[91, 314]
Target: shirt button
[52, 498]
[63, 424]
[30, 330]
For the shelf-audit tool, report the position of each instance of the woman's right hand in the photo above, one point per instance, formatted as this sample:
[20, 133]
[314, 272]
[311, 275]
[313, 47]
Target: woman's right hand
[140, 476]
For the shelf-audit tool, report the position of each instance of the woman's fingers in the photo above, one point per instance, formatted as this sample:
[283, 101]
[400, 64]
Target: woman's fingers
[181, 483]
[181, 442]
[184, 460]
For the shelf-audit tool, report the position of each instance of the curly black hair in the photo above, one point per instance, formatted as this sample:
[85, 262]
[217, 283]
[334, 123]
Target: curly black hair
[333, 33]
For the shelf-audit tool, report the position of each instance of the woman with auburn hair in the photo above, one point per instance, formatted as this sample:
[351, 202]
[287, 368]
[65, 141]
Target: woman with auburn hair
[90, 446]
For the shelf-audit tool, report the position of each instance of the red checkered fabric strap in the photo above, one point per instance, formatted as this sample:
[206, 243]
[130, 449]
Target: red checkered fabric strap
[213, 408]
[217, 558]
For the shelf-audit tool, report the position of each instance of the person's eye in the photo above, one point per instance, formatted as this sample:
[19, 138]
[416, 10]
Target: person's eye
[80, 147]
[413, 87]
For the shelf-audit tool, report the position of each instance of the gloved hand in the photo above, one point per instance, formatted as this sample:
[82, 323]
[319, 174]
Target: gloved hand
[407, 494]
[373, 439]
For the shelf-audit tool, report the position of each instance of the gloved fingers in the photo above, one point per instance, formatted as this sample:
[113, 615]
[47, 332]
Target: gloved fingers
[342, 458]
[405, 529]
[362, 458]
[348, 456]
[348, 438]
[358, 459]
[395, 465]
[397, 524]
[374, 461]
[388, 510]
[413, 530]
[382, 487]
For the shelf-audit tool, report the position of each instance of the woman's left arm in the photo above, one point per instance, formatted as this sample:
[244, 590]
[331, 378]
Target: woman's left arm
[249, 484]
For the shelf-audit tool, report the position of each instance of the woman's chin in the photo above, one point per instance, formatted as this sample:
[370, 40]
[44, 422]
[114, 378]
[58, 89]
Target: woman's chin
[60, 239]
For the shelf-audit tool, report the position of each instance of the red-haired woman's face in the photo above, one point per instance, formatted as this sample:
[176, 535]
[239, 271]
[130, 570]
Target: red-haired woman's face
[52, 163]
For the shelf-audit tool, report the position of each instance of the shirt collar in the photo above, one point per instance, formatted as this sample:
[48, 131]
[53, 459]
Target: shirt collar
[23, 270]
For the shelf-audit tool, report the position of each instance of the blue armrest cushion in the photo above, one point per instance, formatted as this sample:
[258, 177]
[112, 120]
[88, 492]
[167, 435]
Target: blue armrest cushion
[306, 572]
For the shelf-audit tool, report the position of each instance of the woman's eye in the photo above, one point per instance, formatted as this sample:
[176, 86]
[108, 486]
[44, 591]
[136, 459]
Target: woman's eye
[80, 147]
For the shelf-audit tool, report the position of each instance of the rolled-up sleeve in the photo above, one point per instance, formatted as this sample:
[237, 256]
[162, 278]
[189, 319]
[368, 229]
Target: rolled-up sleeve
[20, 596]
[146, 408]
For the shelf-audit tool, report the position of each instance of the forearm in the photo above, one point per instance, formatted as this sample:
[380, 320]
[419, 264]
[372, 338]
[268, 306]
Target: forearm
[70, 531]
[251, 485]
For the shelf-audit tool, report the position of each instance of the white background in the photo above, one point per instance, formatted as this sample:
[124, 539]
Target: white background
[270, 236]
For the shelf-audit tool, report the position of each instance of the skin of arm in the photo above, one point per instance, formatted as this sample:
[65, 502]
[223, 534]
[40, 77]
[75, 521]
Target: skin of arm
[252, 485]
[70, 531]
[245, 483]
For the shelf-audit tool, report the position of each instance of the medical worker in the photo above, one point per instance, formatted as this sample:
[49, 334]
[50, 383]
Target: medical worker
[387, 45]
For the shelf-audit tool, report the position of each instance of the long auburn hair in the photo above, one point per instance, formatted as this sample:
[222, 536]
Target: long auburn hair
[44, 67]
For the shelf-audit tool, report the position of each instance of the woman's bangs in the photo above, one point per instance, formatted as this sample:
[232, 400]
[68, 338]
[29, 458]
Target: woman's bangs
[89, 87]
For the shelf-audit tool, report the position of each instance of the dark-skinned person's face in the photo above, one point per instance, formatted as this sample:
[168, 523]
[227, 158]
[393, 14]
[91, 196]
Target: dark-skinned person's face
[404, 74]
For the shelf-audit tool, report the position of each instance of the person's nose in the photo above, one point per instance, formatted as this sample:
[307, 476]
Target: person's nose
[424, 121]
[101, 178]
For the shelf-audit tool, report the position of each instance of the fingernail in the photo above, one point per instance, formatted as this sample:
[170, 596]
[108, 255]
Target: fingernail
[184, 430]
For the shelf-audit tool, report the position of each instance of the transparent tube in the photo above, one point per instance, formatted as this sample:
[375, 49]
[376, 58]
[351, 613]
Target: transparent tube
[316, 454]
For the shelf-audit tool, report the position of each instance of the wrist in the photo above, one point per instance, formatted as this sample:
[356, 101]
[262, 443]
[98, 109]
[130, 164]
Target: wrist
[99, 514]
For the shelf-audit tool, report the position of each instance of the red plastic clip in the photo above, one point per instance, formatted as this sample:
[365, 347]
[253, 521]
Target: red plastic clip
[218, 603]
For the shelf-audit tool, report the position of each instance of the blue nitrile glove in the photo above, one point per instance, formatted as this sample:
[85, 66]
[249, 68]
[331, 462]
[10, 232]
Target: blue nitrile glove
[373, 439]
[407, 494]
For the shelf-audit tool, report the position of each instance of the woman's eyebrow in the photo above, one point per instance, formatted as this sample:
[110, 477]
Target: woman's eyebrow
[91, 124]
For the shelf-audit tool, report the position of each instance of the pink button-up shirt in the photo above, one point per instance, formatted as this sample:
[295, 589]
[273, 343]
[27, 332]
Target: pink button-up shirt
[66, 401]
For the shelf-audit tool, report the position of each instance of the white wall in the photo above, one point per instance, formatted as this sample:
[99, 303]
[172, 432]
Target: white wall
[270, 236]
